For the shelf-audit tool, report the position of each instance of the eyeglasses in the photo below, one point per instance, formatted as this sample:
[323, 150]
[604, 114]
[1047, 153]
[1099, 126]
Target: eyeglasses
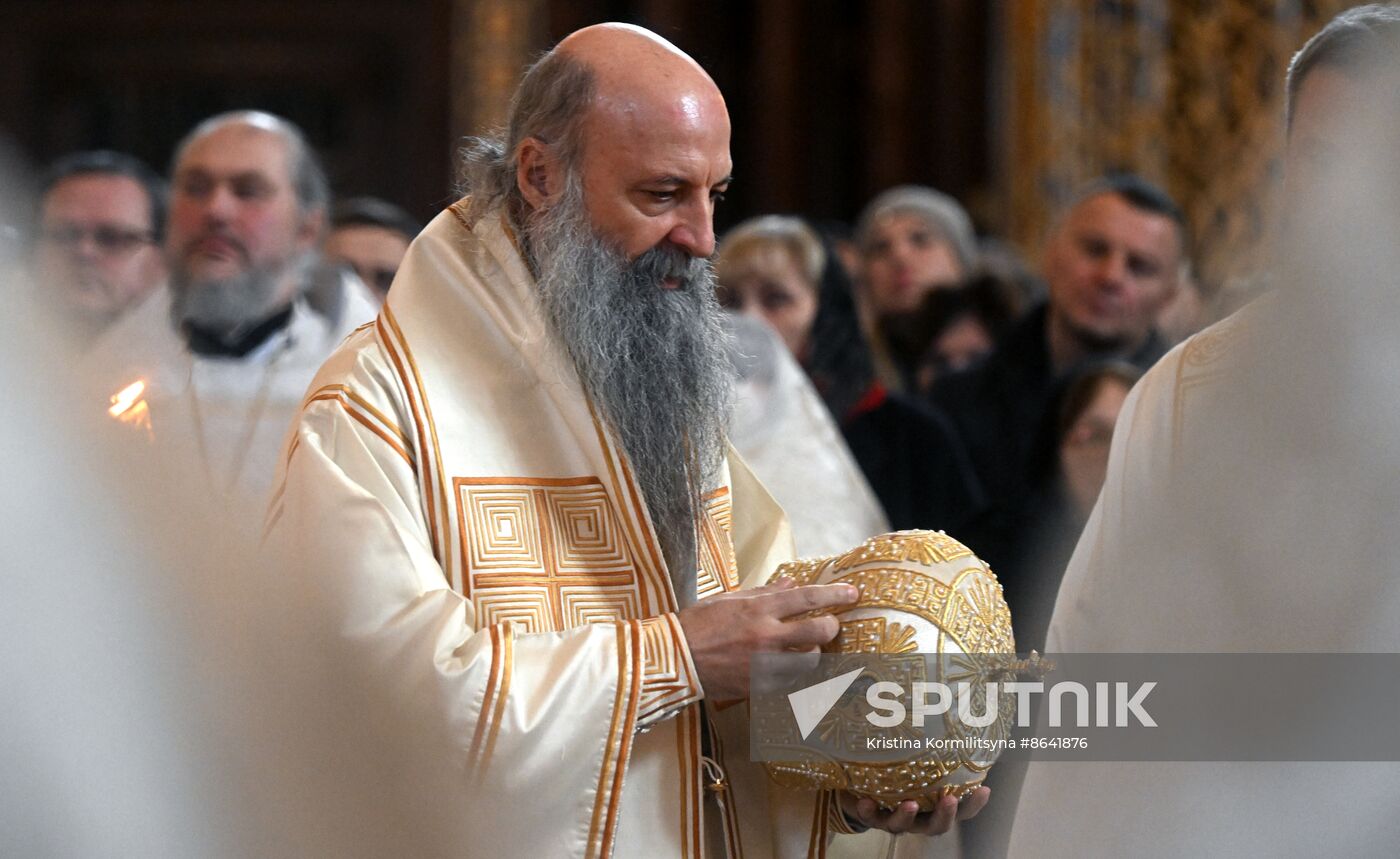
[108, 239]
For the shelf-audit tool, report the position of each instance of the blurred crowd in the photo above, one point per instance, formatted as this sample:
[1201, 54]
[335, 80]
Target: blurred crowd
[960, 386]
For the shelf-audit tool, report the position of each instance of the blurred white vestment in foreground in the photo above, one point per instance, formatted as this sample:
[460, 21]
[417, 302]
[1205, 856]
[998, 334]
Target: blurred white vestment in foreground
[786, 435]
[1250, 506]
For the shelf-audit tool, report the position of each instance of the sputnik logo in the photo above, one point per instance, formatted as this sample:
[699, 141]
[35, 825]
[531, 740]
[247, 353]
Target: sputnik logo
[810, 705]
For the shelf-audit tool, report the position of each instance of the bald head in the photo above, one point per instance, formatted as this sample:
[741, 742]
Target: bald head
[634, 67]
[632, 120]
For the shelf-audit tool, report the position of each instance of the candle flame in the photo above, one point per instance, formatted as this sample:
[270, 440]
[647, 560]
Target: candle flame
[127, 398]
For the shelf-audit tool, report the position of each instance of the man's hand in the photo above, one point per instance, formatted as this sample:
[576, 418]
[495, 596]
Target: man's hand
[907, 818]
[724, 630]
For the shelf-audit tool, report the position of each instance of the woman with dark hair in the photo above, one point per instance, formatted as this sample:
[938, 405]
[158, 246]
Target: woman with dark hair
[1029, 547]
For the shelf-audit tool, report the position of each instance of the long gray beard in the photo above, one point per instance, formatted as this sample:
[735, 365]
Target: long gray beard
[653, 361]
[230, 303]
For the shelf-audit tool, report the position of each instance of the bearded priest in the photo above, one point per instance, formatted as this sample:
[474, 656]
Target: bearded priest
[514, 494]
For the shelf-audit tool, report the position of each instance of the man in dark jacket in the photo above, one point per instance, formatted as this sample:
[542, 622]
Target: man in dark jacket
[1111, 263]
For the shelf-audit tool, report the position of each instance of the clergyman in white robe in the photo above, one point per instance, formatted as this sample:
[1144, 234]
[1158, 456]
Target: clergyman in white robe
[476, 535]
[223, 418]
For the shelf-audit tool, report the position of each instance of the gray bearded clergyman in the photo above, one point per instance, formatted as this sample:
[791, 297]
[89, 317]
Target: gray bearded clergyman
[243, 299]
[654, 361]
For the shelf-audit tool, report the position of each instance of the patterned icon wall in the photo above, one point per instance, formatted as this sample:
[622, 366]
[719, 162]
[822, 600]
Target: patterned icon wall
[1186, 92]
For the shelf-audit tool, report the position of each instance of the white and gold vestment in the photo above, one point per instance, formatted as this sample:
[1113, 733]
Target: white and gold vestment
[477, 536]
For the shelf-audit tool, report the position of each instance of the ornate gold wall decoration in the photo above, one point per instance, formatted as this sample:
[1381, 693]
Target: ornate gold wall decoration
[1187, 93]
[492, 42]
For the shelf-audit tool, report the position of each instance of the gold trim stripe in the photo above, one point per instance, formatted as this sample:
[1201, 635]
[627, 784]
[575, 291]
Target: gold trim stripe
[459, 214]
[624, 722]
[364, 404]
[275, 502]
[634, 491]
[274, 517]
[418, 422]
[430, 468]
[688, 757]
[629, 728]
[395, 440]
[589, 480]
[507, 645]
[474, 753]
[602, 796]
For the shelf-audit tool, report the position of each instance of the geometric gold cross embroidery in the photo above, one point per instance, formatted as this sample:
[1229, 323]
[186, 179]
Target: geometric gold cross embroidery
[547, 554]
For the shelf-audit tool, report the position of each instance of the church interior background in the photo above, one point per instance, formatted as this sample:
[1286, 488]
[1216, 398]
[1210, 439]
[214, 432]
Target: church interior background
[1006, 104]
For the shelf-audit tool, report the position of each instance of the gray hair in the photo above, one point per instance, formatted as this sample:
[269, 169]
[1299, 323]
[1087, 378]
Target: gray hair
[1355, 41]
[940, 212]
[313, 190]
[655, 362]
[785, 231]
[549, 105]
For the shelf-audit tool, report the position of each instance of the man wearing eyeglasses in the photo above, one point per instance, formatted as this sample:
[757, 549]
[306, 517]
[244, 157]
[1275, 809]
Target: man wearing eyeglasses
[97, 234]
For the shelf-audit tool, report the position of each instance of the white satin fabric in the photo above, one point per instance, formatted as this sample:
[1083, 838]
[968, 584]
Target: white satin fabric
[1249, 507]
[786, 435]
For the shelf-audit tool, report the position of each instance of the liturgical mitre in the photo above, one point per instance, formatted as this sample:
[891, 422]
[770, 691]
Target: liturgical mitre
[934, 612]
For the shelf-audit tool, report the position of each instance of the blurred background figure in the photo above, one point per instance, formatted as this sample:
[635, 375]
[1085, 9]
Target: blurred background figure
[769, 268]
[1266, 436]
[166, 695]
[907, 451]
[370, 236]
[950, 330]
[912, 240]
[96, 239]
[217, 364]
[1033, 542]
[1068, 463]
[1110, 265]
